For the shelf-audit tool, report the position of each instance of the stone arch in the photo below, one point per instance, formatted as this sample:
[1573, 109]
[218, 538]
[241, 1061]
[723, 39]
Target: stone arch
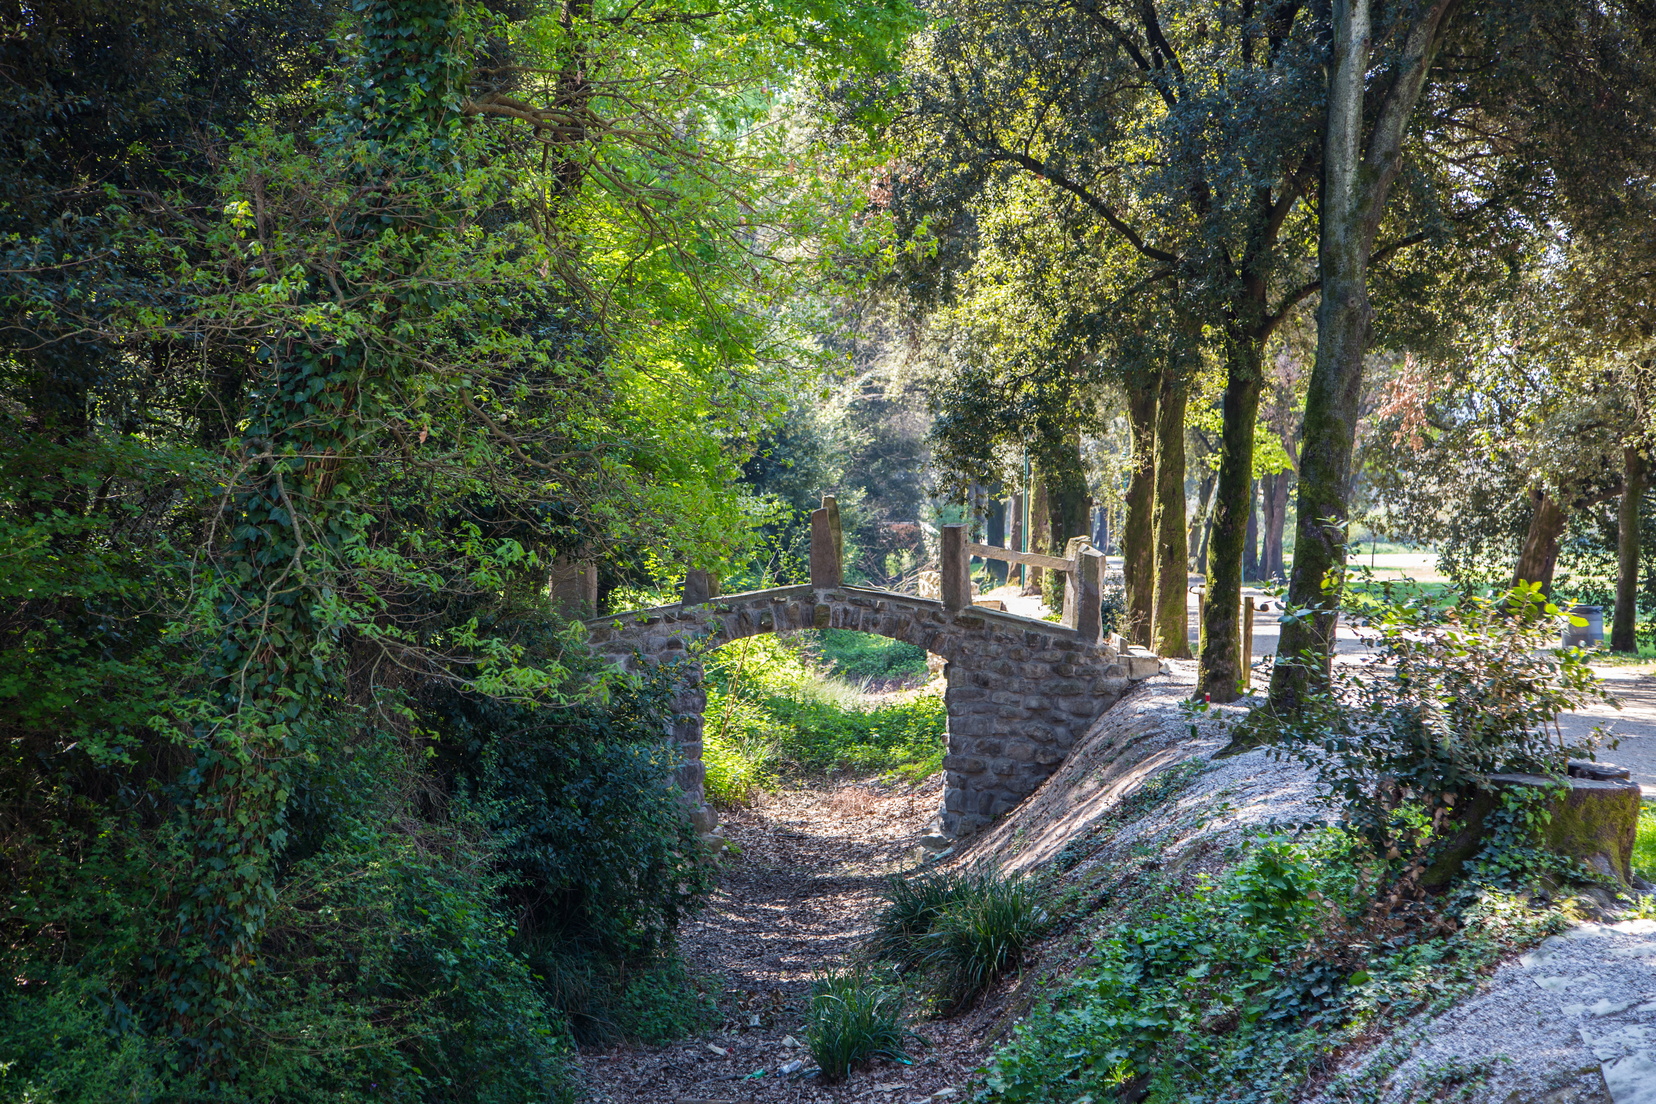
[1019, 691]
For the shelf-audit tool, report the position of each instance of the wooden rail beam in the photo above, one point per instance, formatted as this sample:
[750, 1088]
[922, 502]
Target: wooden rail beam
[1033, 559]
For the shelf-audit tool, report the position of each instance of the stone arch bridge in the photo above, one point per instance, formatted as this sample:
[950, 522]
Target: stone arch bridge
[1019, 691]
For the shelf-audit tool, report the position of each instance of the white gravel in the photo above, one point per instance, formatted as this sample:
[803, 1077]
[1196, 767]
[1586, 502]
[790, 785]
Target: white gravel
[1572, 1022]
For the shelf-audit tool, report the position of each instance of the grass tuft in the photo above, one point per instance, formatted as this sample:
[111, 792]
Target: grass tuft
[856, 1016]
[963, 930]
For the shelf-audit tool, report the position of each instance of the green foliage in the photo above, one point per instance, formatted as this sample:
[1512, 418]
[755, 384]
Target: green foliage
[607, 1004]
[1235, 989]
[1644, 845]
[769, 700]
[600, 853]
[1456, 692]
[864, 657]
[855, 1016]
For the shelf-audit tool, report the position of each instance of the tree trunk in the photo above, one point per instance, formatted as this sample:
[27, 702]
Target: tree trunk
[1357, 176]
[1040, 528]
[1250, 541]
[1203, 524]
[1069, 507]
[1624, 629]
[1172, 632]
[1220, 673]
[1274, 506]
[1540, 552]
[1138, 545]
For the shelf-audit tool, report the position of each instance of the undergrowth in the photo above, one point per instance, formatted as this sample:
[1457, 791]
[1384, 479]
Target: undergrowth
[1236, 988]
[775, 709]
[1644, 845]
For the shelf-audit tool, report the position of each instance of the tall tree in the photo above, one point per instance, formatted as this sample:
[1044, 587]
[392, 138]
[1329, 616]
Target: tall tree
[1369, 109]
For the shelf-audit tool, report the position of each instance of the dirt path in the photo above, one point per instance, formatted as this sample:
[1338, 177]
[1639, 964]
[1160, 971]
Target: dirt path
[798, 897]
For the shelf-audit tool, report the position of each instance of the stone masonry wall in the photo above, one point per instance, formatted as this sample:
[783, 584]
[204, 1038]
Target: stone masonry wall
[1019, 691]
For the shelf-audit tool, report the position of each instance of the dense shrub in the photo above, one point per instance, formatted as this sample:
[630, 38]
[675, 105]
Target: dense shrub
[963, 930]
[599, 852]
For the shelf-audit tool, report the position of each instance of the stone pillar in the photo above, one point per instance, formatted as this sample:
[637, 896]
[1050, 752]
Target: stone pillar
[1084, 594]
[955, 568]
[688, 703]
[699, 586]
[827, 546]
[574, 586]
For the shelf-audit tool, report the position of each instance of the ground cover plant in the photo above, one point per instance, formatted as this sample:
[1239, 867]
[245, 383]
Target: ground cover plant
[856, 1015]
[1235, 988]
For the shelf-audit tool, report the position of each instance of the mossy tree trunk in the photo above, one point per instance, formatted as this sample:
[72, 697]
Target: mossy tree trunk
[1068, 507]
[1172, 568]
[1040, 528]
[1250, 541]
[1220, 672]
[1138, 543]
[1624, 625]
[1357, 174]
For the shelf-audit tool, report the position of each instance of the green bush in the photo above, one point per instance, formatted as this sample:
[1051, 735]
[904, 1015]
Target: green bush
[1644, 845]
[910, 912]
[594, 839]
[980, 936]
[608, 1004]
[855, 1017]
[1457, 692]
[739, 748]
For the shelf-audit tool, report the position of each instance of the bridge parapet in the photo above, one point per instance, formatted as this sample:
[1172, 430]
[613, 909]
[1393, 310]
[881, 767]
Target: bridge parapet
[1019, 694]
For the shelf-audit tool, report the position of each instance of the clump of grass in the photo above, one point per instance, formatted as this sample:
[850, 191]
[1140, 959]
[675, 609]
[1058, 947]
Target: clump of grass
[912, 906]
[963, 931]
[856, 1016]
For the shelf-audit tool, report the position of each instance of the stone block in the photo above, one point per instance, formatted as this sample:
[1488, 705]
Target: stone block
[963, 764]
[1080, 705]
[1011, 712]
[989, 747]
[1112, 687]
[1049, 756]
[954, 799]
[966, 694]
[1021, 750]
[1006, 697]
[985, 801]
[1142, 666]
[1003, 767]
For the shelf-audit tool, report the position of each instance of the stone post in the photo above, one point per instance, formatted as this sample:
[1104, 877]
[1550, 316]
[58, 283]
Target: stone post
[699, 586]
[827, 544]
[955, 567]
[1084, 594]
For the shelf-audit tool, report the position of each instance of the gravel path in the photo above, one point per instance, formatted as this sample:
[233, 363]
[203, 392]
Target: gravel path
[796, 897]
